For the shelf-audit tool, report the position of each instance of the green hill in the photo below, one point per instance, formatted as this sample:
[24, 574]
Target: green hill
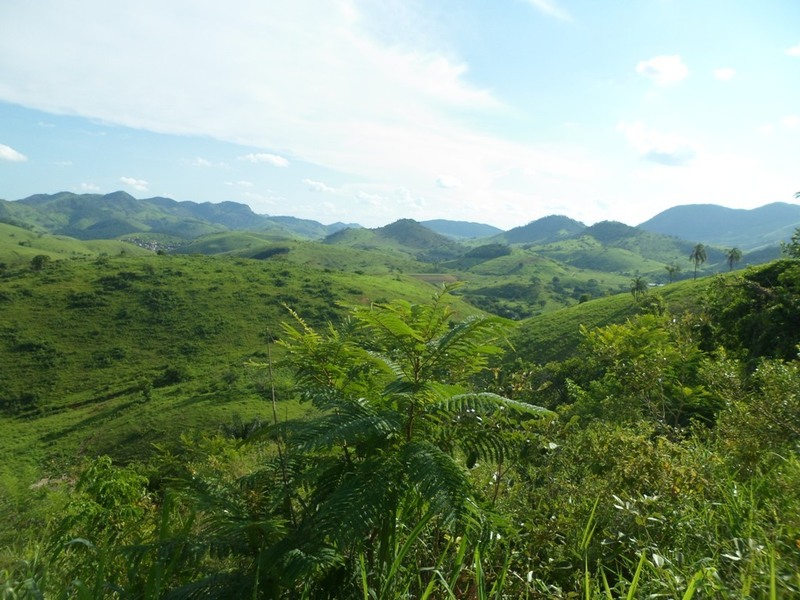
[19, 245]
[544, 230]
[614, 247]
[554, 335]
[113, 354]
[405, 236]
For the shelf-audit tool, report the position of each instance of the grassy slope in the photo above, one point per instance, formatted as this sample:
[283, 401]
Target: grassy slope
[528, 283]
[552, 336]
[230, 242]
[116, 354]
[18, 246]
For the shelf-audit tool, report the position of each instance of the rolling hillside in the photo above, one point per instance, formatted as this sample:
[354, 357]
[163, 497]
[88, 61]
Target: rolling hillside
[115, 353]
[18, 246]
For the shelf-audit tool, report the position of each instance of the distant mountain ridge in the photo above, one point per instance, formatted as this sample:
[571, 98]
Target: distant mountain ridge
[717, 225]
[757, 232]
[105, 216]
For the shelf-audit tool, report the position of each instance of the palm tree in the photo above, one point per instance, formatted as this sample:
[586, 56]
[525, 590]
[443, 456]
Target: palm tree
[698, 256]
[732, 256]
[638, 287]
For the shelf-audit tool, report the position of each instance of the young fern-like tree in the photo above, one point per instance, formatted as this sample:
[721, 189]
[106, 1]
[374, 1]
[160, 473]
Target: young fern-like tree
[386, 454]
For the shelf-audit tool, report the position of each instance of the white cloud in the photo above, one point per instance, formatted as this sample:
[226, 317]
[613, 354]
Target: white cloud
[262, 200]
[663, 70]
[394, 203]
[270, 159]
[794, 50]
[340, 97]
[241, 183]
[790, 121]
[201, 162]
[63, 163]
[766, 129]
[11, 155]
[89, 187]
[372, 198]
[662, 148]
[550, 8]
[729, 179]
[448, 182]
[139, 185]
[318, 186]
[725, 74]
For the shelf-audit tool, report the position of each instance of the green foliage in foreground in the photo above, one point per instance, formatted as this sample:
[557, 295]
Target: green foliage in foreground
[664, 462]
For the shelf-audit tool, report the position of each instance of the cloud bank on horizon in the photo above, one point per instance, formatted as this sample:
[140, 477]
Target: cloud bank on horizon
[365, 111]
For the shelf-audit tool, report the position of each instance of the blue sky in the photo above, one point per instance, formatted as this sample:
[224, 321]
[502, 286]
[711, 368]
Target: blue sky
[495, 111]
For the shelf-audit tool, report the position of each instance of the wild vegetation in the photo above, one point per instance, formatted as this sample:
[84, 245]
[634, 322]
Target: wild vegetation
[346, 421]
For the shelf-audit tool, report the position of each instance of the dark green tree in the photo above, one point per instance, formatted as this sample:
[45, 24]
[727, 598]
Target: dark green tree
[39, 261]
[698, 257]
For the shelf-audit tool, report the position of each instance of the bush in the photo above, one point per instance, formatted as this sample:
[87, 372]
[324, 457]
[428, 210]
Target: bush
[39, 261]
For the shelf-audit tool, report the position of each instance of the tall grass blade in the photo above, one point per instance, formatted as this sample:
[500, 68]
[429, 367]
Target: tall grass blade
[459, 563]
[448, 588]
[480, 581]
[773, 576]
[635, 583]
[586, 593]
[606, 587]
[402, 553]
[364, 582]
[692, 587]
[499, 584]
[588, 531]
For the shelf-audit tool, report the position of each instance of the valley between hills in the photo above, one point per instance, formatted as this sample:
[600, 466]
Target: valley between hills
[198, 401]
